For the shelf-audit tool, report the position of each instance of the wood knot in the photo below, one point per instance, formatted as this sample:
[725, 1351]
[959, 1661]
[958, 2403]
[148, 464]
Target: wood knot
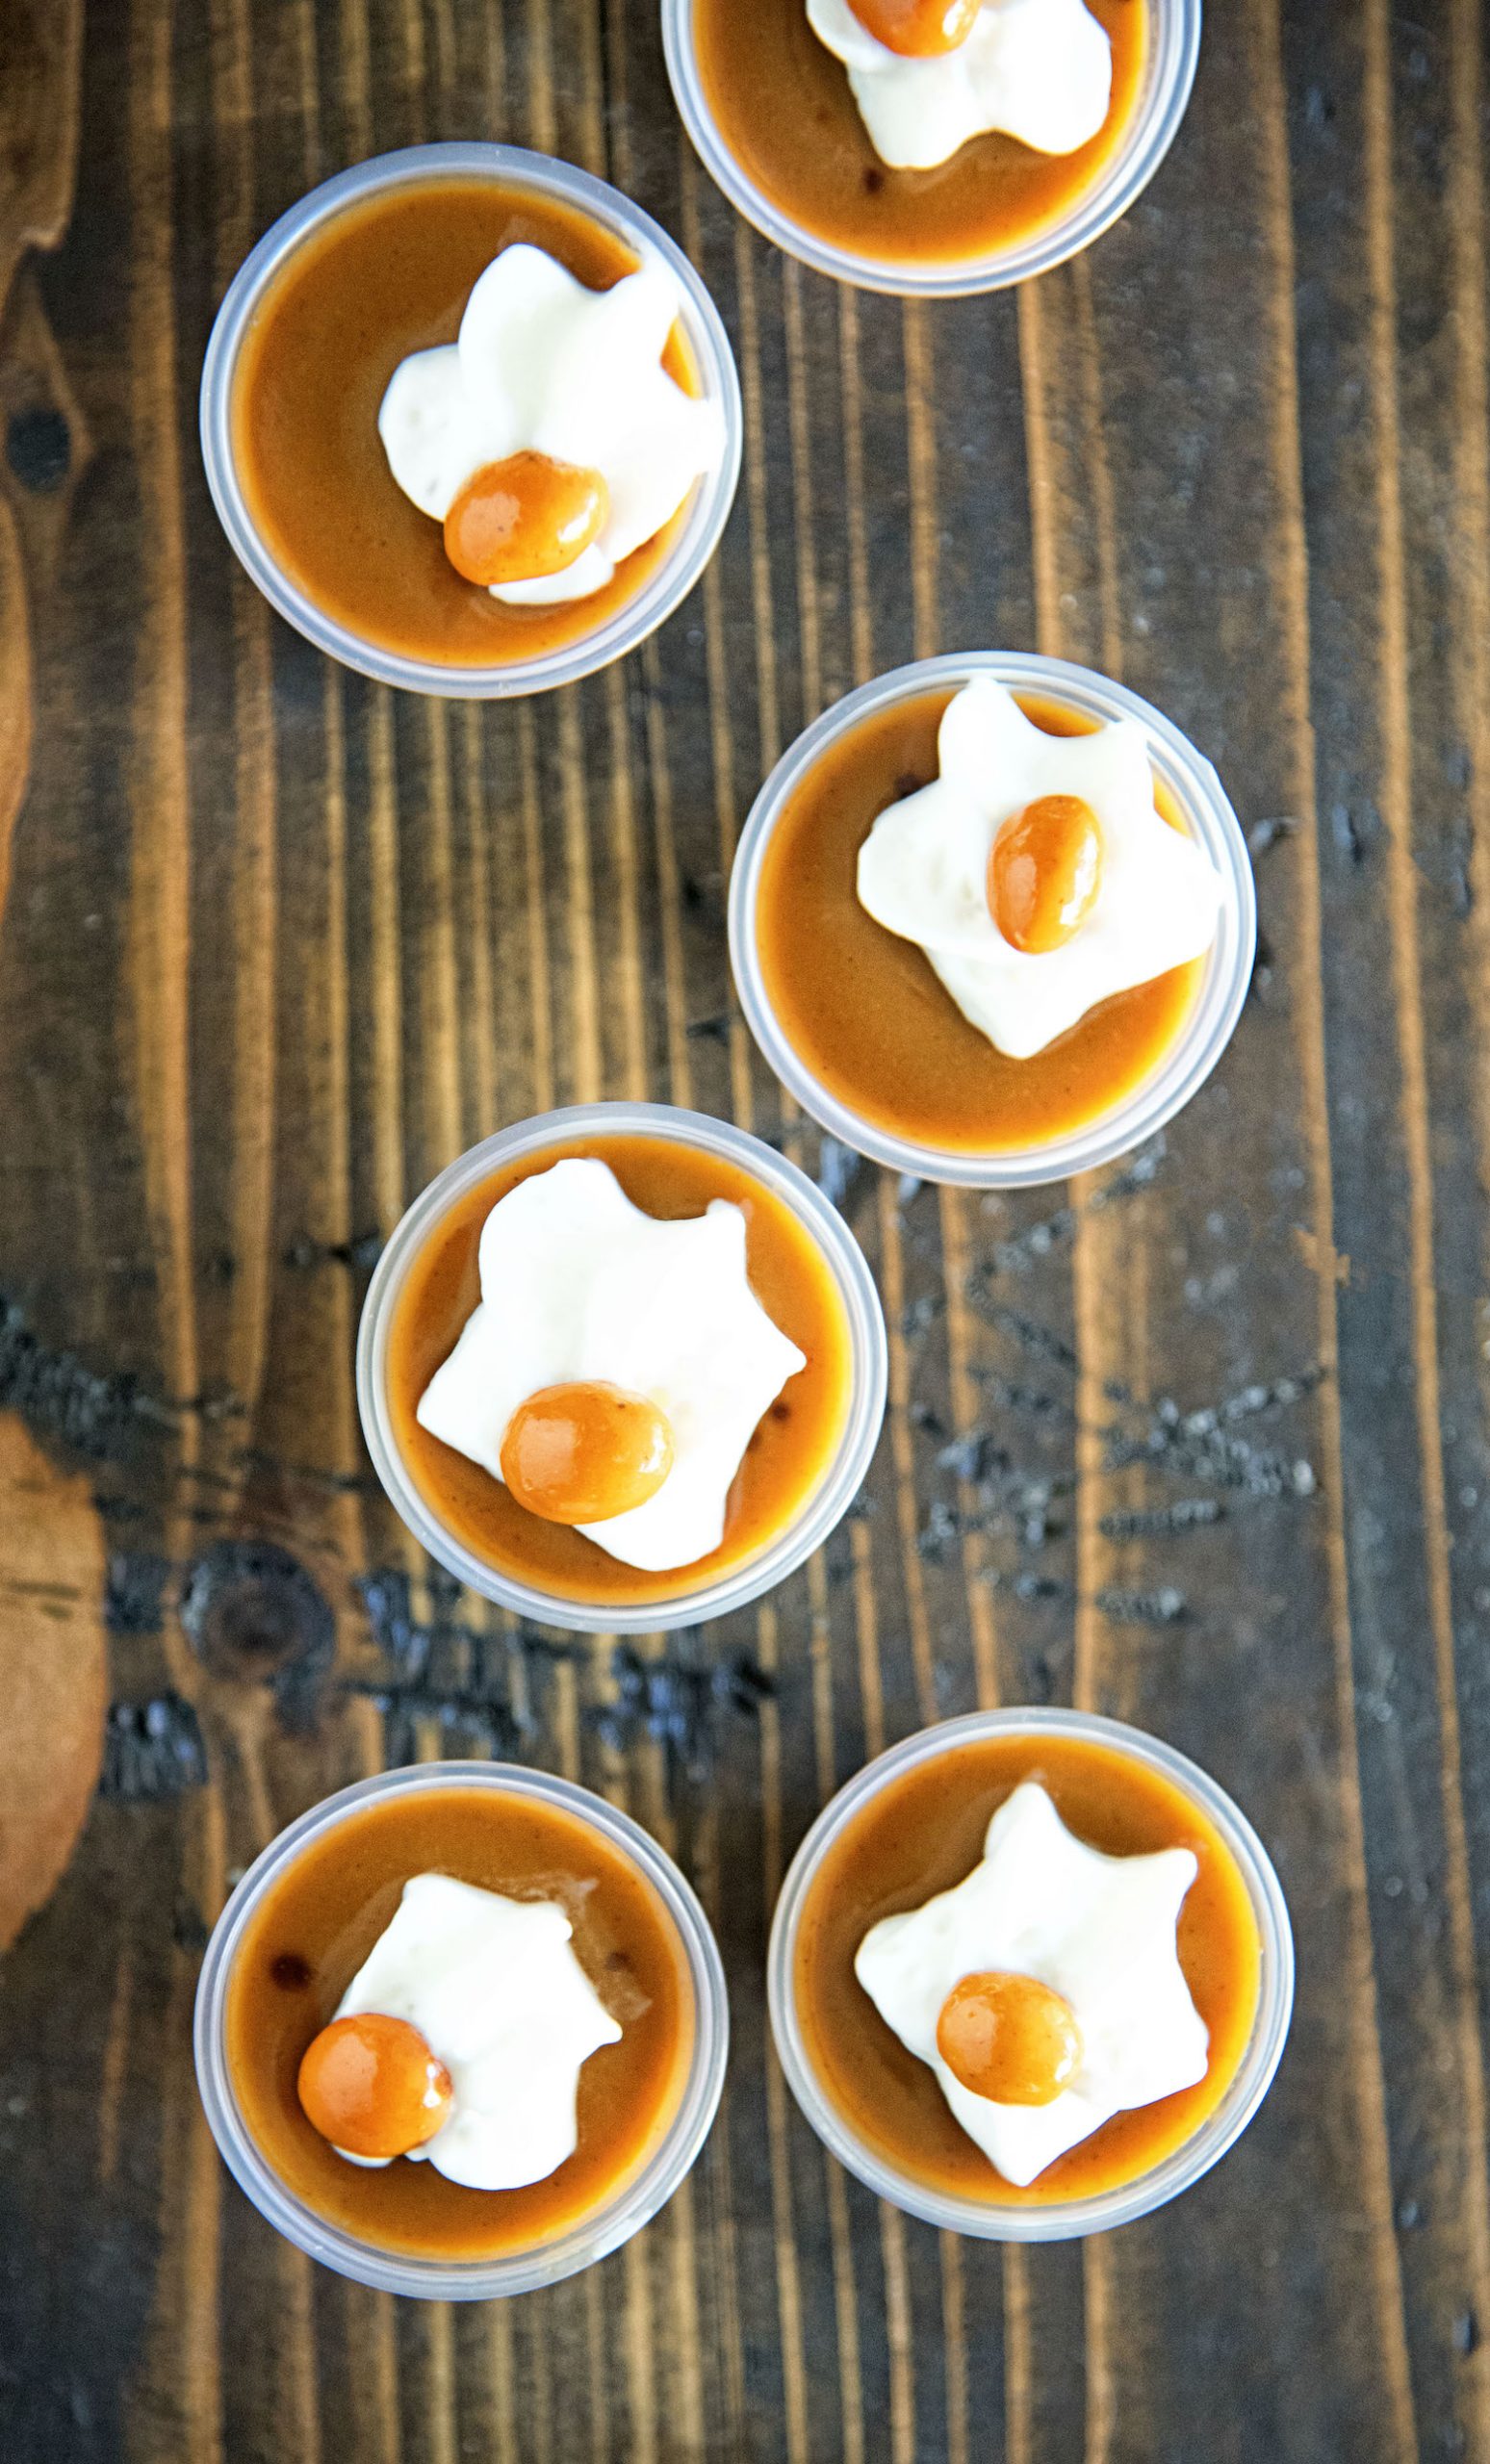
[39, 448]
[251, 1613]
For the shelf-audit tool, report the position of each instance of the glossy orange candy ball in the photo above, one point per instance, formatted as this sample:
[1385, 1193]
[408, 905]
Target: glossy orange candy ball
[1044, 872]
[917, 29]
[585, 1451]
[1008, 2037]
[370, 2085]
[523, 518]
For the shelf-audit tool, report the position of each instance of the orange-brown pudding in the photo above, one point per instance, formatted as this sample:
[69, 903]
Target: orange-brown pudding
[922, 1833]
[790, 1450]
[381, 279]
[865, 1013]
[316, 1926]
[783, 108]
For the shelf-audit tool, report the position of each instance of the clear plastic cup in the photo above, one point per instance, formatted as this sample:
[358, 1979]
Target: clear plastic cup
[1168, 74]
[1207, 1030]
[617, 2218]
[1061, 2219]
[511, 167]
[841, 1478]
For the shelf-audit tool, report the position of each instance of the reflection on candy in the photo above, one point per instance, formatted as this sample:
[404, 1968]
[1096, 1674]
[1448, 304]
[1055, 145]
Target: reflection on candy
[370, 2085]
[1045, 873]
[524, 518]
[584, 1452]
[1008, 2037]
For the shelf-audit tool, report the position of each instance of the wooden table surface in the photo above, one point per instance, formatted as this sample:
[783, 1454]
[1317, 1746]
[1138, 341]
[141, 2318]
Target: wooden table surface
[1202, 1440]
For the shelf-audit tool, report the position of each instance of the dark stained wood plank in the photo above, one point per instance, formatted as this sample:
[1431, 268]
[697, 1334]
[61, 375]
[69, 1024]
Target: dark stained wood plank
[39, 67]
[1390, 1310]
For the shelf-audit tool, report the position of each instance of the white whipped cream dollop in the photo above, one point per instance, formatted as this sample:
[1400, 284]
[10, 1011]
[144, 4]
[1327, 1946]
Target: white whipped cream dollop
[495, 1989]
[1040, 70]
[1099, 1931]
[579, 1285]
[923, 870]
[544, 365]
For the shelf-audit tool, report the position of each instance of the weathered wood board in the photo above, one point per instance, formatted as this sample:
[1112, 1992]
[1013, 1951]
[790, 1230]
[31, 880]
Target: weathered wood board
[278, 944]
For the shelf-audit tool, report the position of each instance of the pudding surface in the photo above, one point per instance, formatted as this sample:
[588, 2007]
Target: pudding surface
[791, 1448]
[321, 1918]
[863, 1009]
[922, 1834]
[378, 281]
[783, 108]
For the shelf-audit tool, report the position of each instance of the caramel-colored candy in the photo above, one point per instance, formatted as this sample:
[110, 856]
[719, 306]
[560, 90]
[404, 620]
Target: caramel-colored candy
[371, 2086]
[525, 519]
[585, 1451]
[1008, 2037]
[917, 29]
[1044, 872]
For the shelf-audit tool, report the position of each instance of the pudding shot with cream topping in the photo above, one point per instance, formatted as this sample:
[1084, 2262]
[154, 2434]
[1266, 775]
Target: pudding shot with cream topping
[913, 143]
[462, 2018]
[1029, 1962]
[473, 422]
[986, 914]
[622, 1368]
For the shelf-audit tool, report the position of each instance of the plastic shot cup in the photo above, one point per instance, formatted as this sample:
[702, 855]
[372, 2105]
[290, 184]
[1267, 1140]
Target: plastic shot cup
[1207, 1028]
[509, 168]
[1158, 109]
[618, 2214]
[1027, 2220]
[841, 1477]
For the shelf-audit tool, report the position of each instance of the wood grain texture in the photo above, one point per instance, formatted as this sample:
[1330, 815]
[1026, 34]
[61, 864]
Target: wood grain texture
[1203, 1441]
[56, 1659]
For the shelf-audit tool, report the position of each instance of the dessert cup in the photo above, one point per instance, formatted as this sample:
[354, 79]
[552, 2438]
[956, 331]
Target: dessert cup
[1022, 2219]
[700, 522]
[1226, 971]
[1167, 76]
[842, 1476]
[615, 2217]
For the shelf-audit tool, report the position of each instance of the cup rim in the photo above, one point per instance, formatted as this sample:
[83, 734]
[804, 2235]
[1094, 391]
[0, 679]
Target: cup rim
[590, 2238]
[1171, 74]
[1064, 2219]
[1213, 1017]
[858, 1295]
[706, 514]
